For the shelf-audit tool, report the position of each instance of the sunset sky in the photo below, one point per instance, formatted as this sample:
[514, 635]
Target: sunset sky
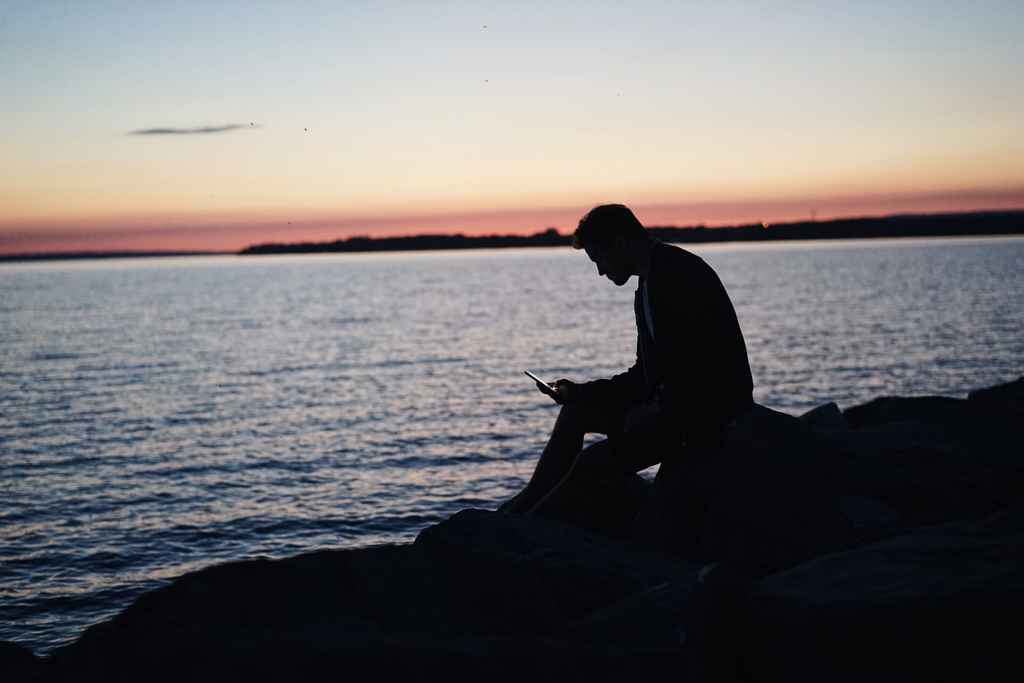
[215, 125]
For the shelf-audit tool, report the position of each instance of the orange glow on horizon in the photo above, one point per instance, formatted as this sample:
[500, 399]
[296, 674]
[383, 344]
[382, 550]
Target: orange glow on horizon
[232, 231]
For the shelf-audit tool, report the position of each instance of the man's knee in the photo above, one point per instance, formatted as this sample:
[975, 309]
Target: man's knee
[572, 411]
[579, 416]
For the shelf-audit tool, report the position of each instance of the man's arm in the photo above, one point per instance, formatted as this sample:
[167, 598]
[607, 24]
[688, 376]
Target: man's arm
[629, 386]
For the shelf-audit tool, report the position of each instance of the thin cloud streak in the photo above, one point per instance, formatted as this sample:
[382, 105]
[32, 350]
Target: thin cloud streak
[201, 130]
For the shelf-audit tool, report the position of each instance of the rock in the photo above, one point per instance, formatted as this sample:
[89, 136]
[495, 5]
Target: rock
[566, 572]
[1008, 396]
[714, 608]
[650, 620]
[482, 596]
[934, 604]
[603, 595]
[785, 489]
[773, 499]
[931, 459]
[922, 472]
[261, 618]
[934, 409]
[18, 663]
[868, 514]
[762, 424]
[826, 417]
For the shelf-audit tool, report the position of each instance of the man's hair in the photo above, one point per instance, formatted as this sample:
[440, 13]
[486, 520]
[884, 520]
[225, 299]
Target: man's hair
[603, 224]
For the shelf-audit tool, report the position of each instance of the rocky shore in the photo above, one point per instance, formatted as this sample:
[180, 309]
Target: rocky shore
[880, 543]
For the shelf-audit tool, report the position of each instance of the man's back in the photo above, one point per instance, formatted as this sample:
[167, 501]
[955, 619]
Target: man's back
[698, 355]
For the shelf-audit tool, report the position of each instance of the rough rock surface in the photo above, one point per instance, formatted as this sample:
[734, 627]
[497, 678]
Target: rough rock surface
[480, 596]
[936, 603]
[880, 543]
[18, 662]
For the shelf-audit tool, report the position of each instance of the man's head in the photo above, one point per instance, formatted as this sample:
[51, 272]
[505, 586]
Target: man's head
[614, 240]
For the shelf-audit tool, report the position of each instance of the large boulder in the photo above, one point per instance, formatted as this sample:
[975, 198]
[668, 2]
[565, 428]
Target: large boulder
[827, 418]
[261, 618]
[582, 571]
[938, 603]
[786, 489]
[926, 409]
[482, 596]
[773, 499]
[594, 592]
[18, 663]
[932, 459]
[1008, 396]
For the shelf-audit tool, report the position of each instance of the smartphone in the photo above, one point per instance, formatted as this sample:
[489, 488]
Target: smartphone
[546, 388]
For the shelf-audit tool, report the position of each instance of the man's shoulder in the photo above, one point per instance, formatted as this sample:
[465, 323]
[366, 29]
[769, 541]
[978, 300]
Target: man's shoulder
[669, 250]
[674, 261]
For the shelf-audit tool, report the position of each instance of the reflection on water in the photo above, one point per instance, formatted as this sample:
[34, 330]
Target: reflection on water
[157, 416]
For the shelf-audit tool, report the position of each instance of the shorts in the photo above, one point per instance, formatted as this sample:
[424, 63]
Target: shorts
[635, 449]
[666, 442]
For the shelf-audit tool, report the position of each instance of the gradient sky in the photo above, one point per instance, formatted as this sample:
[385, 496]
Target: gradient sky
[396, 118]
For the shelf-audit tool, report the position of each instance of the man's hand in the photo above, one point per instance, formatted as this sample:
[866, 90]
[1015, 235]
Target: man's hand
[564, 392]
[643, 416]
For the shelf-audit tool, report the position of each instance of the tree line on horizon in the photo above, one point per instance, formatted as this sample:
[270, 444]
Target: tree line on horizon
[907, 225]
[975, 223]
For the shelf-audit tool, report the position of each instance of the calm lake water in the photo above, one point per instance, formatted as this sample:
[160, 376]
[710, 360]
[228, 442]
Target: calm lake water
[157, 416]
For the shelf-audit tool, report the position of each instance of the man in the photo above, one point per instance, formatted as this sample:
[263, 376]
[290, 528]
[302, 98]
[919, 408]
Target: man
[691, 378]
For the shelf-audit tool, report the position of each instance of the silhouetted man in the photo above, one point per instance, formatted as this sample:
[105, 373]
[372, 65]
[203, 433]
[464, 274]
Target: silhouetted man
[691, 378]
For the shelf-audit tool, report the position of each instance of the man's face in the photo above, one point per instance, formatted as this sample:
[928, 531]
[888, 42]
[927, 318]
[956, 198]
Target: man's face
[611, 262]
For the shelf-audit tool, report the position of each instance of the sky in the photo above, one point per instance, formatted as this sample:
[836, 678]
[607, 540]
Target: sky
[216, 125]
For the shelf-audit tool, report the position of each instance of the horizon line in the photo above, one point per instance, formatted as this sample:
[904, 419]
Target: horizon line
[226, 231]
[152, 253]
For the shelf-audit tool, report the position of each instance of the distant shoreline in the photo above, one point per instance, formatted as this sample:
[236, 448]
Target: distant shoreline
[962, 224]
[974, 224]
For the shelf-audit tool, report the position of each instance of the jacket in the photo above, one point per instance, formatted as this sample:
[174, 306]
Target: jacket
[696, 365]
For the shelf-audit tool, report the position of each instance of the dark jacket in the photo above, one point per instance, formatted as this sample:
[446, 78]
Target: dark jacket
[696, 365]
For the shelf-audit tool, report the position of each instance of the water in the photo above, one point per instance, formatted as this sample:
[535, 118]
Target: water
[157, 416]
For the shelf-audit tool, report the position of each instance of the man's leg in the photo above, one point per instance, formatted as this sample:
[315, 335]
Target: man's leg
[573, 423]
[601, 492]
